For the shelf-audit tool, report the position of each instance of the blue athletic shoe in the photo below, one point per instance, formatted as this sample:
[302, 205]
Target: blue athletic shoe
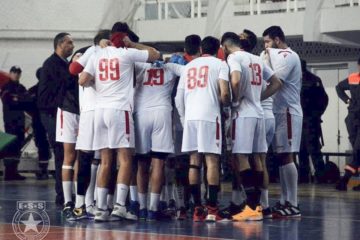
[143, 214]
[162, 206]
[152, 216]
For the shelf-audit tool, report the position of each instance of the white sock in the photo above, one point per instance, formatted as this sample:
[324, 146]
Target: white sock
[291, 178]
[143, 200]
[75, 187]
[122, 191]
[110, 201]
[80, 200]
[67, 189]
[264, 199]
[89, 196]
[169, 191]
[163, 194]
[283, 195]
[179, 196]
[134, 194]
[102, 198]
[154, 201]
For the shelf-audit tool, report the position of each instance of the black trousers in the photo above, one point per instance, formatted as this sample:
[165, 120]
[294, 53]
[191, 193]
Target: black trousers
[13, 151]
[49, 123]
[352, 122]
[311, 146]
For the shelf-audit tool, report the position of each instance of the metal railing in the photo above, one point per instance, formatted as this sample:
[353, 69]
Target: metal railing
[198, 8]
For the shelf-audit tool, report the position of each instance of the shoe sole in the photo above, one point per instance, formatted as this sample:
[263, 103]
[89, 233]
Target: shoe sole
[249, 219]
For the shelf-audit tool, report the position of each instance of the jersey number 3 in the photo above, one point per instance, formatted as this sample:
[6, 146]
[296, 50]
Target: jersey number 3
[109, 69]
[197, 77]
[256, 72]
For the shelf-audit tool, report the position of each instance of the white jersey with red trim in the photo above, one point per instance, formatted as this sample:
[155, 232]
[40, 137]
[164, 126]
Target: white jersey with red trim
[253, 73]
[154, 85]
[286, 65]
[87, 95]
[113, 69]
[200, 81]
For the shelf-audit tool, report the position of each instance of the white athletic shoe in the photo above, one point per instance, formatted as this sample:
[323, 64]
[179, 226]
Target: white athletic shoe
[102, 215]
[119, 211]
[91, 210]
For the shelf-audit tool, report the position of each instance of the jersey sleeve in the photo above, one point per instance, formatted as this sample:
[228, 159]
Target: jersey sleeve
[234, 65]
[267, 72]
[282, 64]
[138, 55]
[86, 56]
[90, 66]
[176, 69]
[224, 71]
[183, 76]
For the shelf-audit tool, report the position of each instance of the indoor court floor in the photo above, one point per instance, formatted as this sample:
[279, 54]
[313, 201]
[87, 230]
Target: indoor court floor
[327, 214]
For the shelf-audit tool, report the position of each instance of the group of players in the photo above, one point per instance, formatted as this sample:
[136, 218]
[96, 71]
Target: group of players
[222, 93]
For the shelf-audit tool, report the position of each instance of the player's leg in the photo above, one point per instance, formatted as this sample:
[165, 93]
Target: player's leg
[144, 162]
[288, 138]
[213, 179]
[67, 177]
[350, 169]
[157, 177]
[195, 185]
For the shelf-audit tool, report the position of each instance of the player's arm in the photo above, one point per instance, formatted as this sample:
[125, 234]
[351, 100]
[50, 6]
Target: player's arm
[274, 82]
[153, 53]
[341, 87]
[235, 77]
[86, 79]
[180, 99]
[176, 69]
[224, 85]
[274, 85]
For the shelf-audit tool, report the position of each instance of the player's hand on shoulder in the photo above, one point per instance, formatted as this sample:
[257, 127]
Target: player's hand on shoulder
[105, 43]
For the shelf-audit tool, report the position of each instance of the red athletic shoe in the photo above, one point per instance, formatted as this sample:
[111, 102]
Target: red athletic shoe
[199, 214]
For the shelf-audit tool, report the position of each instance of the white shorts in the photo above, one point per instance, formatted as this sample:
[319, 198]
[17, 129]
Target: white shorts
[153, 131]
[86, 131]
[113, 129]
[249, 135]
[288, 129]
[202, 136]
[269, 130]
[67, 126]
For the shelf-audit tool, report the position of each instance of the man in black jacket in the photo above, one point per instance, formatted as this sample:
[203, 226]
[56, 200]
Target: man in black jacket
[14, 122]
[352, 121]
[54, 79]
[314, 101]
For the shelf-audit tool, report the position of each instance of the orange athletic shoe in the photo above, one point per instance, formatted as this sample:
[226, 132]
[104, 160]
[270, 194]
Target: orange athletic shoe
[248, 214]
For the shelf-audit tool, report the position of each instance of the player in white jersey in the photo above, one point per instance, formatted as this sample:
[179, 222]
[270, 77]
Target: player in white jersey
[288, 117]
[202, 82]
[88, 164]
[153, 127]
[247, 73]
[112, 69]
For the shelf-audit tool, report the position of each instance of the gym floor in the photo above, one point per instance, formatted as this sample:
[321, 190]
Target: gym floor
[327, 214]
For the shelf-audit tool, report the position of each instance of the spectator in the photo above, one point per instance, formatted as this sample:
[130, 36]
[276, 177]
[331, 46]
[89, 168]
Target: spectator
[51, 91]
[314, 101]
[14, 122]
[39, 132]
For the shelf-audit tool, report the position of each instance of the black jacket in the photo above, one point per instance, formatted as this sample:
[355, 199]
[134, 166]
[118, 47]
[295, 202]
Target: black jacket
[314, 99]
[57, 88]
[354, 88]
[12, 95]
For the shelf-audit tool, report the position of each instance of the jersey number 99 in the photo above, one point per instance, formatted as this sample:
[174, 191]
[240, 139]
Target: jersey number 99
[109, 69]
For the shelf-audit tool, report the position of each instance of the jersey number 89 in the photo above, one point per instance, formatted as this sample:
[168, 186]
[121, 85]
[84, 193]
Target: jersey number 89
[197, 77]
